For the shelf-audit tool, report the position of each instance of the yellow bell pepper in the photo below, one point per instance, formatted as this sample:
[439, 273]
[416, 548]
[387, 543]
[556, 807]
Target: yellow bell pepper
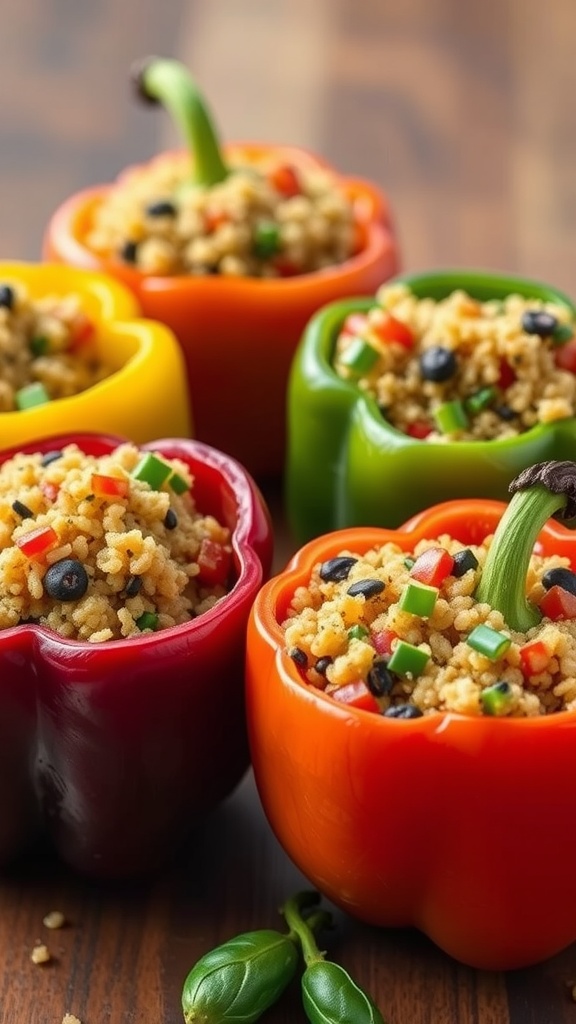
[144, 397]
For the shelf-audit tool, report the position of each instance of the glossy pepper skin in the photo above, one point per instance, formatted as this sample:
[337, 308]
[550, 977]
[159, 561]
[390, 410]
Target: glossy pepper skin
[443, 822]
[117, 750]
[145, 396]
[346, 466]
[239, 335]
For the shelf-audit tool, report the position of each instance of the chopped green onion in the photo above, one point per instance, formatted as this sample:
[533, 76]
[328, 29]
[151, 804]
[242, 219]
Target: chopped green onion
[357, 632]
[418, 598]
[488, 641]
[451, 417]
[31, 395]
[266, 239]
[178, 484]
[407, 659]
[148, 620]
[39, 346]
[152, 470]
[495, 699]
[562, 333]
[479, 400]
[358, 357]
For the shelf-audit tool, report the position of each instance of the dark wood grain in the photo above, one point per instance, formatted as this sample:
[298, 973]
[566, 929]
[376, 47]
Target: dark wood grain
[465, 114]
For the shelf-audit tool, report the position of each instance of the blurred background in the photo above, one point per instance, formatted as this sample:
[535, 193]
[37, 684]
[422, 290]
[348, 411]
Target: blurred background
[464, 113]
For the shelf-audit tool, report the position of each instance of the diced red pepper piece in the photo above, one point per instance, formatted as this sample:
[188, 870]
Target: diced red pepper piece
[214, 561]
[356, 695]
[419, 429]
[507, 375]
[432, 567]
[388, 328]
[286, 268]
[565, 356]
[50, 491]
[285, 180]
[37, 541]
[534, 658]
[82, 330]
[110, 486]
[214, 219]
[558, 603]
[355, 324]
[383, 640]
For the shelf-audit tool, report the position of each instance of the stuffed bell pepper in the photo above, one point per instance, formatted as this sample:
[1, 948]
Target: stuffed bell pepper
[445, 385]
[75, 353]
[233, 249]
[126, 578]
[411, 700]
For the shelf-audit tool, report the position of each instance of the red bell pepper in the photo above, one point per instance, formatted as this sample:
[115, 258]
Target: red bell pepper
[116, 750]
[448, 823]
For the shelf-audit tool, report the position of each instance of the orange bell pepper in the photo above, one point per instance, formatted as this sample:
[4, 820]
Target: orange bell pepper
[143, 398]
[455, 825]
[238, 335]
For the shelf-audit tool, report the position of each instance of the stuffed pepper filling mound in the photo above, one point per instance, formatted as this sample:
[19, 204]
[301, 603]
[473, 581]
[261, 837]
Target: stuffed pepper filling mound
[105, 547]
[458, 368]
[401, 633]
[267, 220]
[47, 349]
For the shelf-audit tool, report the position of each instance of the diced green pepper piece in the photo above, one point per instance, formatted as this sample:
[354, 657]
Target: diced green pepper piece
[31, 395]
[479, 400]
[266, 239]
[418, 598]
[488, 641]
[178, 484]
[358, 357]
[451, 416]
[409, 562]
[406, 659]
[562, 333]
[148, 620]
[357, 632]
[496, 699]
[152, 470]
[39, 346]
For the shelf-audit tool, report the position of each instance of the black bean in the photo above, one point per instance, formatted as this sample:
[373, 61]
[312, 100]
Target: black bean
[403, 711]
[66, 580]
[22, 510]
[161, 208]
[538, 321]
[7, 296]
[336, 569]
[170, 519]
[505, 412]
[322, 664]
[438, 363]
[560, 577]
[380, 679]
[366, 588]
[463, 561]
[298, 656]
[50, 457]
[129, 252]
[133, 586]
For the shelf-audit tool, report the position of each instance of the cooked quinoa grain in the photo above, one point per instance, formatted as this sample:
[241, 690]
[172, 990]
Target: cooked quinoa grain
[460, 369]
[460, 654]
[261, 221]
[46, 349]
[96, 560]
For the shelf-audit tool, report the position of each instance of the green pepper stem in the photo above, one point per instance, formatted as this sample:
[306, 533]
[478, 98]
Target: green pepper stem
[503, 581]
[303, 928]
[168, 82]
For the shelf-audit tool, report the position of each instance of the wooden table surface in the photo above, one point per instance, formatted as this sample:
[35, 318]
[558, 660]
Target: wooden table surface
[464, 113]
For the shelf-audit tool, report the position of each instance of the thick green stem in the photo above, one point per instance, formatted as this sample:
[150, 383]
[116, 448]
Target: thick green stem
[503, 581]
[292, 912]
[168, 82]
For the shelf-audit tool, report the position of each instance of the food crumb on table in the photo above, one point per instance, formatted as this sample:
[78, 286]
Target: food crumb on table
[54, 919]
[70, 1018]
[40, 954]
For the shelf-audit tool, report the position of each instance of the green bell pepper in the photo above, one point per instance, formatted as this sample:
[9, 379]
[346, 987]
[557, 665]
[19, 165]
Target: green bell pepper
[347, 466]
